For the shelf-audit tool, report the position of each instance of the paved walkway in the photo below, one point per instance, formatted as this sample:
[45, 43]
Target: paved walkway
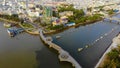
[116, 41]
[63, 55]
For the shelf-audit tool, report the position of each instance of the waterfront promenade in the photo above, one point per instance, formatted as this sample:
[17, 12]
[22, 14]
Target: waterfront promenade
[116, 42]
[63, 55]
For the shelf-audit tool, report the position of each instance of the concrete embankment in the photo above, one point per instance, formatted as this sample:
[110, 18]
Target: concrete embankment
[63, 55]
[30, 32]
[116, 41]
[65, 28]
[6, 20]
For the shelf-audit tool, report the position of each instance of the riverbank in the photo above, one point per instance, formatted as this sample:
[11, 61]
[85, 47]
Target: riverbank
[51, 31]
[77, 25]
[65, 28]
[74, 26]
[28, 31]
[116, 41]
[36, 32]
[6, 20]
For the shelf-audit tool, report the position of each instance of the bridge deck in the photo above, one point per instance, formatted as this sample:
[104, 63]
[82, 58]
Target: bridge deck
[63, 55]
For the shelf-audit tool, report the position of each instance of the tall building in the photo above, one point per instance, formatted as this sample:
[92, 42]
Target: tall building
[48, 11]
[27, 3]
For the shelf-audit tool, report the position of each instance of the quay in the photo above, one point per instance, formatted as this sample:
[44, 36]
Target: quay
[115, 43]
[63, 55]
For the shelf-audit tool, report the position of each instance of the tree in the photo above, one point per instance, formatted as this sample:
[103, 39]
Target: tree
[78, 13]
[71, 18]
[113, 54]
[14, 15]
[110, 12]
[55, 14]
[89, 9]
[113, 59]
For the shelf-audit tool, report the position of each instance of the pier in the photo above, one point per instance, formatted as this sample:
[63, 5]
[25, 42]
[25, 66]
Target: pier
[14, 31]
[63, 55]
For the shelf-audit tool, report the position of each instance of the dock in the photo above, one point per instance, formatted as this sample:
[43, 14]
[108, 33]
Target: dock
[63, 55]
[14, 31]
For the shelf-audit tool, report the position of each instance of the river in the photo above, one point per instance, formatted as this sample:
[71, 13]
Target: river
[26, 51]
[98, 36]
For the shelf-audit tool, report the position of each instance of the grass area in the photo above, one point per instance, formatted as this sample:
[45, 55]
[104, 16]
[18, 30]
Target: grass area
[13, 17]
[27, 25]
[110, 11]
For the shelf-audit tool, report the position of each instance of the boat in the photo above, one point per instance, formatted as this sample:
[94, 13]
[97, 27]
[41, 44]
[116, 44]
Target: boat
[58, 37]
[80, 49]
[86, 46]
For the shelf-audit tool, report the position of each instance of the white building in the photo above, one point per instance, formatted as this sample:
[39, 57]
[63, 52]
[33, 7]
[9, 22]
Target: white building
[33, 14]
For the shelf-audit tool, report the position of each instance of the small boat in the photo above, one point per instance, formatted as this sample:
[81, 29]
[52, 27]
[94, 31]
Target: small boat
[79, 49]
[58, 37]
[86, 46]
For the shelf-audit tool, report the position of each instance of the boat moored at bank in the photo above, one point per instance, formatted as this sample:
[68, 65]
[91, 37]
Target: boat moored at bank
[14, 31]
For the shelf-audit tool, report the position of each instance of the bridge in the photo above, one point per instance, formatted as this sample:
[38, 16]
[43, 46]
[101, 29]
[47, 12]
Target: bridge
[113, 18]
[63, 55]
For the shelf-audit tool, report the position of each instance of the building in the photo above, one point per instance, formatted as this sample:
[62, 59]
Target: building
[66, 13]
[70, 24]
[33, 13]
[48, 11]
[63, 20]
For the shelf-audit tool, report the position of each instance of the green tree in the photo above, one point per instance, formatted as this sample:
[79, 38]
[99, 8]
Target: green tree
[113, 59]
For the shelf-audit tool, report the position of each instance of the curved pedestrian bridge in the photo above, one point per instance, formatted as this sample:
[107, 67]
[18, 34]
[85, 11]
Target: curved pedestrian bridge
[63, 55]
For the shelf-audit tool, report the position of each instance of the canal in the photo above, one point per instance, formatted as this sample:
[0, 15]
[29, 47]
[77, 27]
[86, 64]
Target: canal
[26, 51]
[94, 39]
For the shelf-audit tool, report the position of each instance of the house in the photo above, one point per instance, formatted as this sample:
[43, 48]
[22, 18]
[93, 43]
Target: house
[64, 19]
[56, 22]
[66, 13]
[33, 14]
[53, 19]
